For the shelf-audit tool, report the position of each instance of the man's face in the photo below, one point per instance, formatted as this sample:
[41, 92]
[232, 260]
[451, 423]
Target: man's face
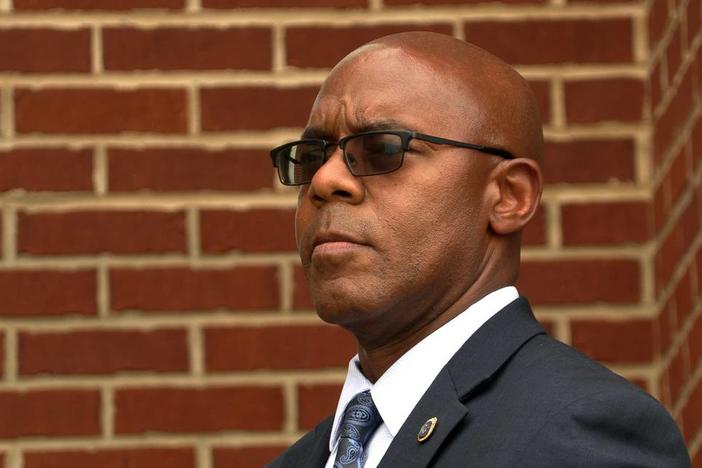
[383, 254]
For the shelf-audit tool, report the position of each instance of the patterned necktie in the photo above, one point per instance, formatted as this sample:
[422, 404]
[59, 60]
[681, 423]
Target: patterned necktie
[361, 418]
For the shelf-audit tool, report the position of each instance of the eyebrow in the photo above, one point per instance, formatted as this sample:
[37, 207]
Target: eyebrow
[360, 127]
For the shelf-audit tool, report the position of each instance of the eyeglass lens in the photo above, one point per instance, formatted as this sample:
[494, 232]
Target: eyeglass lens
[369, 154]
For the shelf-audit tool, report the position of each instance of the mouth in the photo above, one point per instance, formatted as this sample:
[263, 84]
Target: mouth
[335, 243]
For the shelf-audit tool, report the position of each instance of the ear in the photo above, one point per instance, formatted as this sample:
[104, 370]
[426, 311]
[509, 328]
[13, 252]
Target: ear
[516, 189]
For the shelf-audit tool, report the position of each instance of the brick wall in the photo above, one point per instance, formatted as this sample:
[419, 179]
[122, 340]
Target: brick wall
[151, 294]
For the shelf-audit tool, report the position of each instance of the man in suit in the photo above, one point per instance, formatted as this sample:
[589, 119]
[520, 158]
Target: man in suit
[418, 169]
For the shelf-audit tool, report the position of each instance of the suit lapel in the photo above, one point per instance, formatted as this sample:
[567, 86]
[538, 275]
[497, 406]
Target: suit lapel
[471, 367]
[319, 453]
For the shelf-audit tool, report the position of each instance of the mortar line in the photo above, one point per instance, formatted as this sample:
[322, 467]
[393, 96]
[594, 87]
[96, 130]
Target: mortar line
[557, 95]
[9, 234]
[291, 411]
[375, 5]
[643, 149]
[554, 235]
[196, 350]
[100, 170]
[278, 50]
[286, 286]
[107, 412]
[194, 121]
[96, 50]
[13, 457]
[458, 31]
[193, 6]
[203, 454]
[103, 290]
[11, 355]
[639, 38]
[7, 113]
[192, 229]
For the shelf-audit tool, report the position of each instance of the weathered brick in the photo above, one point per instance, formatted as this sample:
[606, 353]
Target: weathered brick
[49, 413]
[213, 409]
[589, 161]
[245, 457]
[542, 41]
[606, 223]
[621, 100]
[112, 458]
[255, 108]
[187, 48]
[90, 232]
[102, 351]
[580, 281]
[331, 44]
[48, 292]
[277, 347]
[100, 110]
[316, 402]
[261, 230]
[119, 5]
[167, 289]
[43, 50]
[188, 169]
[46, 169]
[630, 341]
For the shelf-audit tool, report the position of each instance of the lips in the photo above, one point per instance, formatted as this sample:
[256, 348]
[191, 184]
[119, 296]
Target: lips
[333, 237]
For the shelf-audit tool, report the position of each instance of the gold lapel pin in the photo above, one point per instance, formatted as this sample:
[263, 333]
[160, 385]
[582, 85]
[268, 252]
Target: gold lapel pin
[427, 429]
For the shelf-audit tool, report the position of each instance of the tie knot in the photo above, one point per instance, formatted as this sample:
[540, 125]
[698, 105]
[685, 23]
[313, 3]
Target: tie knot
[360, 419]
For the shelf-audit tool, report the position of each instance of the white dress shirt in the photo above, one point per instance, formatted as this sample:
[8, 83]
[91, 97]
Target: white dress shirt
[400, 388]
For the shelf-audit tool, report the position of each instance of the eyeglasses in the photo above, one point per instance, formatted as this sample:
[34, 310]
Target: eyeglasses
[365, 154]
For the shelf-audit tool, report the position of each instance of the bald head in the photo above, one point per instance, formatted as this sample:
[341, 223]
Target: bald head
[501, 106]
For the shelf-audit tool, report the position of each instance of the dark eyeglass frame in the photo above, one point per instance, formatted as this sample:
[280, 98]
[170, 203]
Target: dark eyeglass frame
[405, 137]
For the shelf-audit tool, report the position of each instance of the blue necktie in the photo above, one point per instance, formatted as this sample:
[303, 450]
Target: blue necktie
[360, 420]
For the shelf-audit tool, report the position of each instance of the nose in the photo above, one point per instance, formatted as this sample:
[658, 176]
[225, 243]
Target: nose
[334, 181]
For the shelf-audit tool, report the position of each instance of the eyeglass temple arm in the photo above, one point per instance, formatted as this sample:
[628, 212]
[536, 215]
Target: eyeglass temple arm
[444, 141]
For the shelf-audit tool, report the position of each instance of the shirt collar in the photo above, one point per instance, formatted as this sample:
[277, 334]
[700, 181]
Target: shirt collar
[412, 374]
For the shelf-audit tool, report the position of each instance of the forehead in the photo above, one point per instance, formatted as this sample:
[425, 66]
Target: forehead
[389, 85]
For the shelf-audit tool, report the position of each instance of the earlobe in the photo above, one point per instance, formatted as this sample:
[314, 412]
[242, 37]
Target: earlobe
[517, 186]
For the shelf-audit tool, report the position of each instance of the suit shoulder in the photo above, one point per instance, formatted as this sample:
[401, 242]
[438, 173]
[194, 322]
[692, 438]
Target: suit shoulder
[298, 452]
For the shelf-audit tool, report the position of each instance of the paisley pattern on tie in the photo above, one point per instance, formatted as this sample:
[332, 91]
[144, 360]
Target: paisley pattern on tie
[360, 420]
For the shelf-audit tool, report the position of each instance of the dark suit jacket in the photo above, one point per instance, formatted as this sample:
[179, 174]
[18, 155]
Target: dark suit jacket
[514, 397]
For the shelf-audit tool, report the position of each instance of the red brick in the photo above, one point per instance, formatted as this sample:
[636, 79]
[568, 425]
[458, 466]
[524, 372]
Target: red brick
[666, 323]
[97, 4]
[655, 86]
[90, 232]
[674, 117]
[316, 402]
[46, 169]
[100, 110]
[657, 19]
[628, 341]
[102, 351]
[255, 108]
[166, 289]
[42, 50]
[676, 243]
[694, 19]
[36, 292]
[542, 91]
[187, 48]
[692, 413]
[112, 458]
[2, 356]
[678, 174]
[245, 457]
[187, 169]
[592, 101]
[641, 383]
[331, 44]
[580, 281]
[606, 223]
[453, 2]
[661, 205]
[696, 139]
[683, 298]
[678, 374]
[261, 230]
[673, 53]
[555, 41]
[211, 409]
[277, 347]
[589, 161]
[301, 295]
[535, 231]
[695, 343]
[49, 413]
[697, 458]
[284, 4]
